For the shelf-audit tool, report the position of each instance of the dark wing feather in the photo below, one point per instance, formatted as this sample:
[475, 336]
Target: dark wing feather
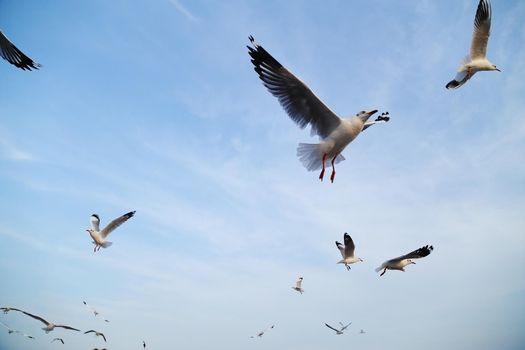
[68, 327]
[327, 325]
[418, 253]
[14, 56]
[295, 97]
[349, 245]
[36, 317]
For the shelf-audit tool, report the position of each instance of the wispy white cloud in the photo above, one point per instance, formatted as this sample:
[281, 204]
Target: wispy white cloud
[184, 10]
[8, 150]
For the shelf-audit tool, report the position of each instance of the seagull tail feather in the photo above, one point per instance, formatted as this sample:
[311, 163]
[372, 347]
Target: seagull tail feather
[106, 244]
[379, 268]
[311, 156]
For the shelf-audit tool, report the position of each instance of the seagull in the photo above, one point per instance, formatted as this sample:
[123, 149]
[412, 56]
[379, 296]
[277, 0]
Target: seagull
[99, 237]
[476, 61]
[400, 262]
[7, 309]
[99, 349]
[362, 331]
[14, 56]
[304, 108]
[261, 333]
[144, 344]
[9, 329]
[49, 326]
[95, 312]
[347, 251]
[58, 339]
[27, 335]
[298, 285]
[338, 331]
[98, 334]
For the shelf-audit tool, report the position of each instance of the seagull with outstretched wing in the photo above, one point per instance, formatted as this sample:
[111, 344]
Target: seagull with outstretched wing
[400, 262]
[337, 331]
[98, 334]
[49, 326]
[99, 236]
[347, 251]
[305, 108]
[58, 339]
[298, 285]
[476, 61]
[13, 55]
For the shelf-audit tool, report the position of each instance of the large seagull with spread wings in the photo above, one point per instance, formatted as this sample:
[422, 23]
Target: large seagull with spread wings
[304, 108]
[476, 61]
[99, 236]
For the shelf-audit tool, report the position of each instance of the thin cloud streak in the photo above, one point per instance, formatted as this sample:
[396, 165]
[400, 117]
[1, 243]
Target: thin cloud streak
[184, 11]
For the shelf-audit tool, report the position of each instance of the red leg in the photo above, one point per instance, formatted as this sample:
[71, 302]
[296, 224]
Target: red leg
[322, 171]
[332, 177]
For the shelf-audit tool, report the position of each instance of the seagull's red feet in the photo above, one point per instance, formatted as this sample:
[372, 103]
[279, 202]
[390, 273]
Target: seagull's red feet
[322, 171]
[332, 177]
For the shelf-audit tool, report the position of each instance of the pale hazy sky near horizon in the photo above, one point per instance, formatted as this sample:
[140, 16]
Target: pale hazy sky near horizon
[153, 106]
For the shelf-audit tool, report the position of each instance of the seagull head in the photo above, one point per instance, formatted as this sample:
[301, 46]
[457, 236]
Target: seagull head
[411, 262]
[495, 68]
[361, 260]
[363, 115]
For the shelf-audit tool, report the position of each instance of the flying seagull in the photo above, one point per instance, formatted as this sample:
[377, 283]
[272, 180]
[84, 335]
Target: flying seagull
[95, 312]
[49, 326]
[298, 285]
[99, 237]
[362, 331]
[98, 334]
[9, 329]
[14, 56]
[144, 344]
[261, 333]
[347, 251]
[476, 61]
[58, 339]
[304, 108]
[400, 262]
[338, 331]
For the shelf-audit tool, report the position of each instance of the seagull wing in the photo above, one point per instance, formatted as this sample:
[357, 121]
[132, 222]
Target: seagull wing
[67, 327]
[90, 331]
[349, 246]
[14, 56]
[480, 37]
[95, 222]
[332, 328]
[343, 327]
[116, 223]
[301, 104]
[103, 337]
[341, 248]
[416, 254]
[298, 283]
[36, 318]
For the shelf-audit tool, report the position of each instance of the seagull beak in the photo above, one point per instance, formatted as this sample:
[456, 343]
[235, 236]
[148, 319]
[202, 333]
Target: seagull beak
[498, 70]
[413, 262]
[372, 112]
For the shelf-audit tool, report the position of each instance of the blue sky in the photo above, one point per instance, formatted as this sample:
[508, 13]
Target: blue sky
[153, 105]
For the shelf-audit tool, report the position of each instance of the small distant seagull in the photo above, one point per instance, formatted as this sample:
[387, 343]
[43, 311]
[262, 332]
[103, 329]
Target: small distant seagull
[261, 333]
[298, 285]
[49, 326]
[347, 251]
[476, 61]
[7, 309]
[304, 108]
[99, 237]
[98, 334]
[400, 262]
[99, 349]
[338, 331]
[95, 312]
[58, 339]
[144, 344]
[14, 56]
[9, 329]
[27, 335]
[362, 331]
